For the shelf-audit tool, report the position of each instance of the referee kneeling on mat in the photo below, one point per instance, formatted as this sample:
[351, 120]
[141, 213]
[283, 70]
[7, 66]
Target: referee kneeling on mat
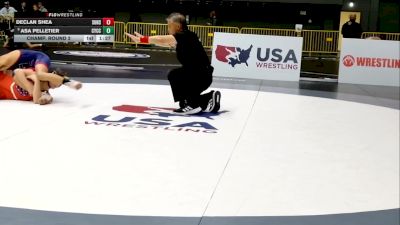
[195, 75]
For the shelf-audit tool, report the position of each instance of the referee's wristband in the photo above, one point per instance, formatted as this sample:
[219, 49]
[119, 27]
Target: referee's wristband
[144, 39]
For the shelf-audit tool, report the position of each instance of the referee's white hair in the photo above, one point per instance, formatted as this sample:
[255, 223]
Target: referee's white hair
[178, 18]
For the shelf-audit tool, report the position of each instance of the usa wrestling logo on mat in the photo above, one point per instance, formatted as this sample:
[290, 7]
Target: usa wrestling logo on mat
[156, 118]
[103, 54]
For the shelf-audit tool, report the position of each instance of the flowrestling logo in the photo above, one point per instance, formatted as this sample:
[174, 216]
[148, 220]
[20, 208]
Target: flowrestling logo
[102, 54]
[156, 118]
[266, 58]
[350, 61]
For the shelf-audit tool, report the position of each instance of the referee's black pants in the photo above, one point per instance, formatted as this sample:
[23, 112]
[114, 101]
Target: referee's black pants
[188, 84]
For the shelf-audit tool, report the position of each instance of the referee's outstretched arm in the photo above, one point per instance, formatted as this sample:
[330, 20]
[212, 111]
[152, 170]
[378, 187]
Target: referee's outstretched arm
[159, 40]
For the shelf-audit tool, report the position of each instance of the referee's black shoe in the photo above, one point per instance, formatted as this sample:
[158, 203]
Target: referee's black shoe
[214, 104]
[188, 110]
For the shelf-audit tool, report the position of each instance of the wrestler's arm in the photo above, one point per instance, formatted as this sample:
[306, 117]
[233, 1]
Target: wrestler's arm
[37, 92]
[160, 40]
[21, 79]
[33, 89]
[42, 76]
[39, 97]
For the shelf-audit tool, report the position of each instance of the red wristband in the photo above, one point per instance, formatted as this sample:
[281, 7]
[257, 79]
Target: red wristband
[144, 39]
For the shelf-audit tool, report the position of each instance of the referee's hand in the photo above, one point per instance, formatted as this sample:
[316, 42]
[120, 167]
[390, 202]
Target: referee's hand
[134, 37]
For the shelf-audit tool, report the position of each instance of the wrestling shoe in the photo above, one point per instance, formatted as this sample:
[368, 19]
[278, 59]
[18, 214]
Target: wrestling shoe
[73, 84]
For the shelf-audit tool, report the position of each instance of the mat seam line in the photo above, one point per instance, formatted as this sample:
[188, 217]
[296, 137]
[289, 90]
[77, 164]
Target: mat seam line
[232, 152]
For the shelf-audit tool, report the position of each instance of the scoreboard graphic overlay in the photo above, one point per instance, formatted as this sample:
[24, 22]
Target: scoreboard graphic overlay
[66, 29]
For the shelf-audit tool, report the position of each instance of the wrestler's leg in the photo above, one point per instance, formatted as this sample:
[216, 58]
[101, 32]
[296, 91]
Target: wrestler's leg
[9, 59]
[57, 80]
[41, 68]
